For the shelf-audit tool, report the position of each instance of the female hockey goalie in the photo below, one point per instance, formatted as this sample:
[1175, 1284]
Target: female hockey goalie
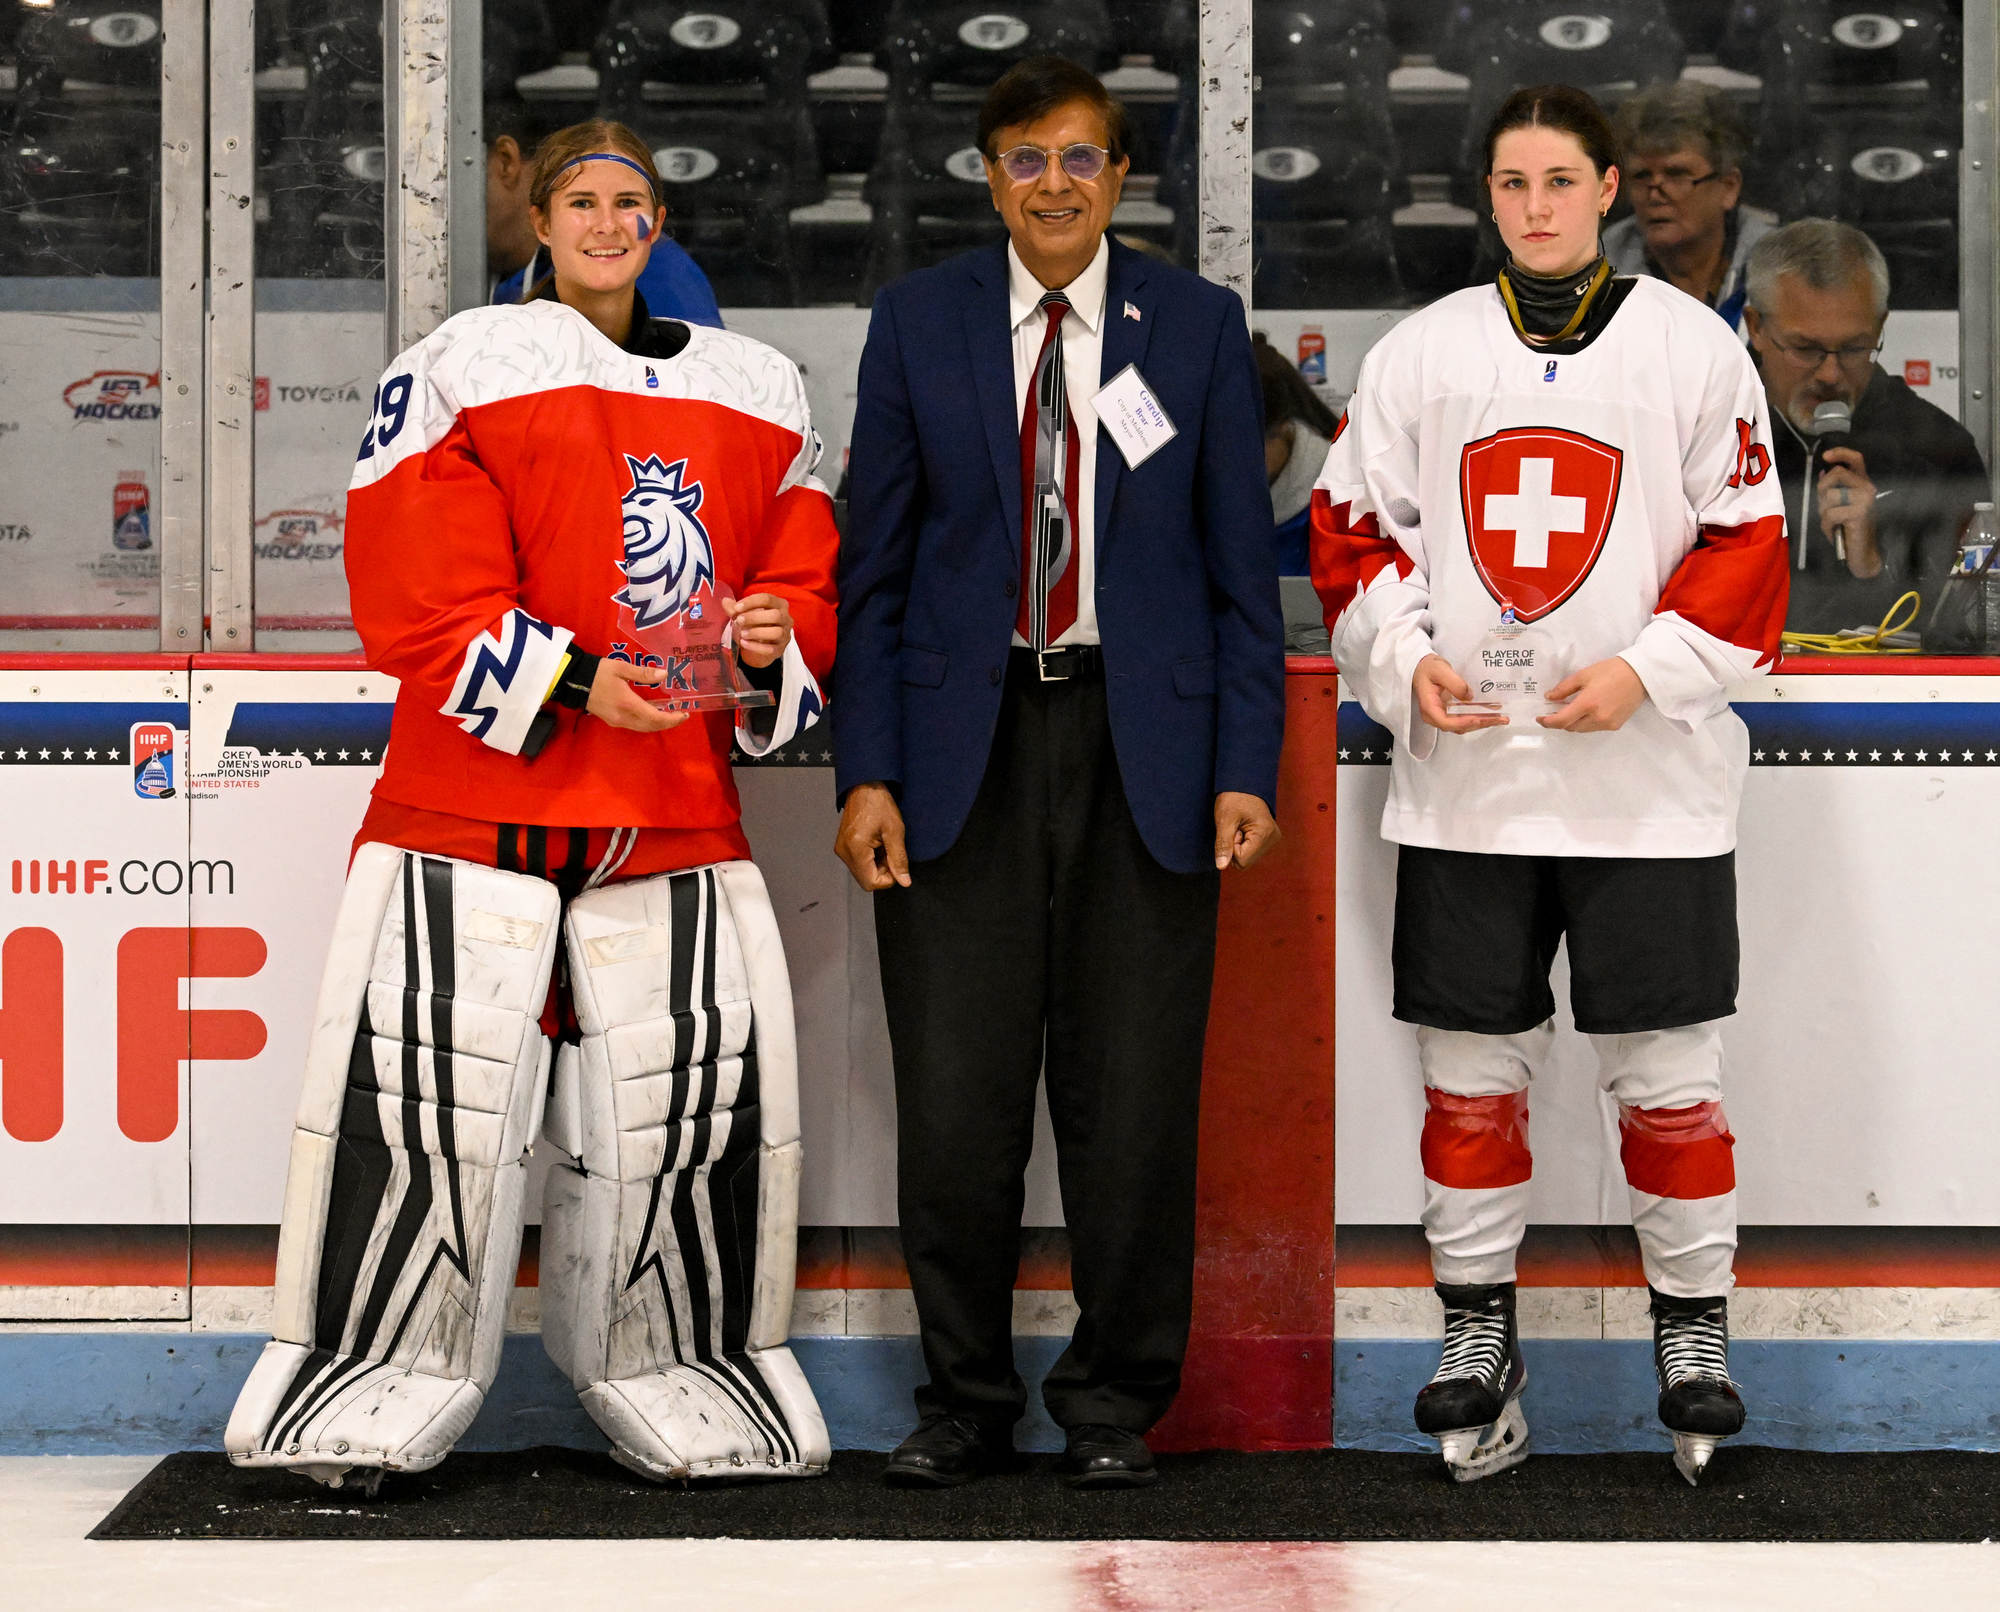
[551, 925]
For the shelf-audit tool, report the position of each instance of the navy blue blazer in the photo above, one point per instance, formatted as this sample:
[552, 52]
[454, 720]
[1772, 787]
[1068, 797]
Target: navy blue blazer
[1186, 565]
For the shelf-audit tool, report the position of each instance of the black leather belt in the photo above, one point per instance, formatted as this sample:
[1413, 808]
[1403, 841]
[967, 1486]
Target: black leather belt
[1062, 665]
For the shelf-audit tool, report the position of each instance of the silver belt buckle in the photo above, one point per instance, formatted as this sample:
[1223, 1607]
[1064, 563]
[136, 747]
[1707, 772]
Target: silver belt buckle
[1042, 667]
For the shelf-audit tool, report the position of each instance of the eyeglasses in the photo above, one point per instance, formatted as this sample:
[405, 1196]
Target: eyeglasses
[1808, 356]
[1672, 183]
[1024, 164]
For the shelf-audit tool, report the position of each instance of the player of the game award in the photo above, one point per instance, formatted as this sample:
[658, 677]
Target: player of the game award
[695, 652]
[1510, 674]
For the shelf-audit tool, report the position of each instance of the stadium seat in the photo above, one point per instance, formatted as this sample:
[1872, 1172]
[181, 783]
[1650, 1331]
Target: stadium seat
[965, 42]
[88, 41]
[1791, 44]
[517, 37]
[1504, 44]
[776, 43]
[928, 180]
[729, 184]
[81, 184]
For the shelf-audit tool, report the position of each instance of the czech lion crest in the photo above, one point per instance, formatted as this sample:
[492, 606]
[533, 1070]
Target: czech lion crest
[667, 552]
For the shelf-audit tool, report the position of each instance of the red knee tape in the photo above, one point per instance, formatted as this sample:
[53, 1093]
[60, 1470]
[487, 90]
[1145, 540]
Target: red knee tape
[1677, 1152]
[1476, 1141]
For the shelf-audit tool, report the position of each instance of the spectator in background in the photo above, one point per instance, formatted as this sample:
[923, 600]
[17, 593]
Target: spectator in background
[672, 284]
[1297, 429]
[1684, 145]
[1881, 514]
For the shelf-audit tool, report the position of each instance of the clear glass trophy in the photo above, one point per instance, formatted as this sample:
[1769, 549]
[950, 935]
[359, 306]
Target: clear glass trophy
[1510, 673]
[695, 654]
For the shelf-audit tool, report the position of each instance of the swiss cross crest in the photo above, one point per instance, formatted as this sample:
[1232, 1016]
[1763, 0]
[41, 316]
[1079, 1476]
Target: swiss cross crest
[1537, 503]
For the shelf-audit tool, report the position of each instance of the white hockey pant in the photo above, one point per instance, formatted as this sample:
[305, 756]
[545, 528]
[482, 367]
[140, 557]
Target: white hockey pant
[669, 1236]
[1674, 1143]
[424, 1081]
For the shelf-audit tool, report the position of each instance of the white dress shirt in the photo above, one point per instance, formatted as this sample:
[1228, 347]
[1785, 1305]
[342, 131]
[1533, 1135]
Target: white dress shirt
[1083, 358]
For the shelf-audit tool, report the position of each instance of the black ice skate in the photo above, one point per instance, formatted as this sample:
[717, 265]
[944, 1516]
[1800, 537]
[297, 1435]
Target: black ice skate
[1698, 1402]
[1472, 1406]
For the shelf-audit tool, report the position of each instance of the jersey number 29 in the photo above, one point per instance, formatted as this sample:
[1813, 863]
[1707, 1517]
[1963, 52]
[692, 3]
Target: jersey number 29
[387, 413]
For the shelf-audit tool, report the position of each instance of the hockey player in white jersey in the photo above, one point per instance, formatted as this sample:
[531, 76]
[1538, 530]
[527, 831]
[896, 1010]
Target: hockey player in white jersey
[1558, 487]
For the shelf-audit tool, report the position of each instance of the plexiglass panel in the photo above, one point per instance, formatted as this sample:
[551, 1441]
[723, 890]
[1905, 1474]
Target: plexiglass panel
[80, 325]
[319, 244]
[1735, 117]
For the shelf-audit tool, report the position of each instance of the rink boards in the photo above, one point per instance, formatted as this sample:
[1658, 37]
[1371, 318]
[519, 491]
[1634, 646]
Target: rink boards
[161, 951]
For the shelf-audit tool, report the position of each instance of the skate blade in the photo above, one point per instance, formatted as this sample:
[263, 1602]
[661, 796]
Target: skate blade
[1691, 1455]
[1471, 1453]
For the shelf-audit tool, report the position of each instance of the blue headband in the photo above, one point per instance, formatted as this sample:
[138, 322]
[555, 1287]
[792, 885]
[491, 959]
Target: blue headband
[612, 156]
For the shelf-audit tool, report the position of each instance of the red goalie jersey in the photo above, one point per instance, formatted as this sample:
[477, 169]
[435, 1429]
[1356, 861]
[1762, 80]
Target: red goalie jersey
[524, 482]
[1620, 500]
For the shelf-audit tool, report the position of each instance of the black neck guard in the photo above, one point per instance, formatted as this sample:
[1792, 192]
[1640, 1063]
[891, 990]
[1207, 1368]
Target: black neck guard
[1562, 315]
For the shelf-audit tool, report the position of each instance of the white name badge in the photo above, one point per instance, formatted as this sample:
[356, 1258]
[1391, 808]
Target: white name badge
[1127, 409]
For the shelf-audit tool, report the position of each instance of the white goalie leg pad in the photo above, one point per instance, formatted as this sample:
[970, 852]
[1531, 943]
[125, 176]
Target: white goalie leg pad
[425, 1076]
[669, 1246]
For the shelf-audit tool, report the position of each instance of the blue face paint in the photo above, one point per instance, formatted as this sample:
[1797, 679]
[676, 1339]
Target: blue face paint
[644, 225]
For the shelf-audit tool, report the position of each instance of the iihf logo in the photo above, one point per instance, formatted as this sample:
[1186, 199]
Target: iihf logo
[1507, 616]
[152, 760]
[667, 552]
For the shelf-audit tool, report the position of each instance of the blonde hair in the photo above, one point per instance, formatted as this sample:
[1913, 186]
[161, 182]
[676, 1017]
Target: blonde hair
[562, 148]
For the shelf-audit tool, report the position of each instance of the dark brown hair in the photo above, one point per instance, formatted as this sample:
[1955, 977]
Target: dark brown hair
[563, 147]
[1032, 89]
[1556, 106]
[1287, 394]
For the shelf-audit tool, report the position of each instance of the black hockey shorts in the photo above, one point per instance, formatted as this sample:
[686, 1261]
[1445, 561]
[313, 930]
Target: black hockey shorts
[1652, 940]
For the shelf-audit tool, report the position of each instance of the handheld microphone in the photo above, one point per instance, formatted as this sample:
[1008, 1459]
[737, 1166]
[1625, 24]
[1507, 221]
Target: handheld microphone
[1832, 426]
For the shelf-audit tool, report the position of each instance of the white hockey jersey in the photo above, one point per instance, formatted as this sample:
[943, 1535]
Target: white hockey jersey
[1620, 499]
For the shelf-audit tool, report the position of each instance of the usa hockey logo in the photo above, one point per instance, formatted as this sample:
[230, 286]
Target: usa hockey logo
[668, 557]
[152, 760]
[1537, 503]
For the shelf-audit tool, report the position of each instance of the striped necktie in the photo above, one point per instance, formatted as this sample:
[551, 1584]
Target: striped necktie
[1049, 457]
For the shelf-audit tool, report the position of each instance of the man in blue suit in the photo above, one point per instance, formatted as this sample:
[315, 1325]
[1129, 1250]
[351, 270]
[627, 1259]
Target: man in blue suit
[1057, 710]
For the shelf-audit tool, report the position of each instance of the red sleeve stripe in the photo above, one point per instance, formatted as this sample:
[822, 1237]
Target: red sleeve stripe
[1734, 585]
[1348, 554]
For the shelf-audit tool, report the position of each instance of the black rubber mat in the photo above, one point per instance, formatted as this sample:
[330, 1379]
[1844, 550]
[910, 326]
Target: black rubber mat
[1749, 1494]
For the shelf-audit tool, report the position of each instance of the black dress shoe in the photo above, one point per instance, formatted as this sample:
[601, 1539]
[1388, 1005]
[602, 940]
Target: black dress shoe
[944, 1451]
[1096, 1457]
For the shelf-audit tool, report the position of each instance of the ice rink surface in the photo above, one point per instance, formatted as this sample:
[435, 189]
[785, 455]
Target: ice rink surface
[48, 1505]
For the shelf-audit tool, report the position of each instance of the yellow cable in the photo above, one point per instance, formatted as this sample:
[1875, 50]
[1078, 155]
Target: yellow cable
[1862, 642]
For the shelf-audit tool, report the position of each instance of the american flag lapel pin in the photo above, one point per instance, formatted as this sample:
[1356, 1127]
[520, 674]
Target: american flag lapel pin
[1131, 312]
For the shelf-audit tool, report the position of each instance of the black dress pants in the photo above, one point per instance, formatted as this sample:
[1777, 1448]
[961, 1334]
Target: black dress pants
[1048, 936]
